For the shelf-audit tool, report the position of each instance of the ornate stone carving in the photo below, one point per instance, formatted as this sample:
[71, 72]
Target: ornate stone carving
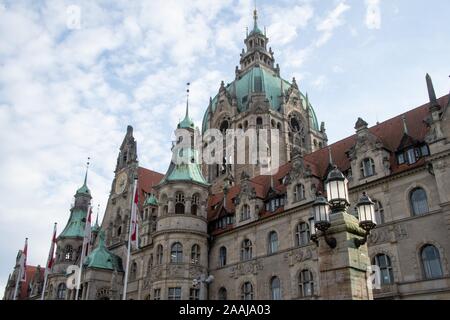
[298, 255]
[251, 267]
[400, 232]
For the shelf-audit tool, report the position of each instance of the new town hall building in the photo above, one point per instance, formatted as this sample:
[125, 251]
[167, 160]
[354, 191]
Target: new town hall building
[252, 232]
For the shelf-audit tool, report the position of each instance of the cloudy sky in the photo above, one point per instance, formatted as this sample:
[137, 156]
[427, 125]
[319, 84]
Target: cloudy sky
[69, 86]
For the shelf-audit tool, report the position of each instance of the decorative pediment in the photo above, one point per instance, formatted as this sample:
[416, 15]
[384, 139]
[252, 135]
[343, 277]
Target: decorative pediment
[298, 170]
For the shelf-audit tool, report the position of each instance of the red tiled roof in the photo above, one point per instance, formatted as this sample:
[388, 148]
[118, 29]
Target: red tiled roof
[30, 272]
[146, 180]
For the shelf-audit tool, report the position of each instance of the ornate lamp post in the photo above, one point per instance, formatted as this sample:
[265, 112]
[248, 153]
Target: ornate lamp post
[338, 201]
[366, 215]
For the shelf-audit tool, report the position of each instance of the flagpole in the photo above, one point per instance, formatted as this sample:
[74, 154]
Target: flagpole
[124, 295]
[83, 252]
[50, 257]
[22, 261]
[18, 280]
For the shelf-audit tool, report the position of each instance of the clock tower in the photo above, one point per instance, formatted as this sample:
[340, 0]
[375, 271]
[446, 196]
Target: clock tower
[117, 215]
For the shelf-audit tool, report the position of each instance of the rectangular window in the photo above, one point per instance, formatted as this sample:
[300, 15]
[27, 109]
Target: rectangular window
[424, 151]
[411, 154]
[157, 294]
[401, 158]
[194, 294]
[258, 84]
[174, 294]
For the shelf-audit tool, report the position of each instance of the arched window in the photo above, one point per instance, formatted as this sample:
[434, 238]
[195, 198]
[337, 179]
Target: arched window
[150, 263]
[224, 126]
[379, 212]
[273, 242]
[133, 271]
[302, 235]
[367, 167]
[275, 288]
[222, 294]
[176, 253]
[179, 203]
[384, 263]
[306, 284]
[222, 256]
[68, 253]
[247, 291]
[195, 254]
[299, 192]
[119, 230]
[431, 262]
[194, 204]
[259, 123]
[61, 293]
[159, 254]
[419, 201]
[246, 250]
[245, 212]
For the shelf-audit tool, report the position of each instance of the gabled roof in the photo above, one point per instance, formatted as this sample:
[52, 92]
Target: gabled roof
[146, 180]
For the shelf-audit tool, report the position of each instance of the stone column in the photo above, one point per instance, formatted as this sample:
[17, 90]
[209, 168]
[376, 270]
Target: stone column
[343, 269]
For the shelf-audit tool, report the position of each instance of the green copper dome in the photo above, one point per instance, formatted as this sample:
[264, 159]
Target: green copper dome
[151, 201]
[186, 170]
[101, 258]
[76, 224]
[259, 79]
[186, 123]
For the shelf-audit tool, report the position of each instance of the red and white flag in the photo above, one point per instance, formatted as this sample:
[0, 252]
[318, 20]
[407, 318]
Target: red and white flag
[134, 218]
[23, 262]
[87, 234]
[51, 253]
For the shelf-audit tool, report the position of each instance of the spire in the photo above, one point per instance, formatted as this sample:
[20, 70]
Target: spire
[87, 170]
[84, 189]
[187, 100]
[431, 92]
[330, 158]
[255, 19]
[187, 122]
[405, 126]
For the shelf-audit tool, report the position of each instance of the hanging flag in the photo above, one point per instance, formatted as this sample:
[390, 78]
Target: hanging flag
[23, 262]
[50, 261]
[87, 234]
[51, 254]
[134, 218]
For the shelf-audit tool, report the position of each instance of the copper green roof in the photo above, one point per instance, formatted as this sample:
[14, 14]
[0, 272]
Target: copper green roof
[84, 190]
[75, 225]
[150, 201]
[102, 258]
[185, 168]
[96, 227]
[259, 79]
[186, 123]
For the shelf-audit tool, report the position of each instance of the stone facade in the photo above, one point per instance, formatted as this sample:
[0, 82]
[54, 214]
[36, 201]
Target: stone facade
[253, 232]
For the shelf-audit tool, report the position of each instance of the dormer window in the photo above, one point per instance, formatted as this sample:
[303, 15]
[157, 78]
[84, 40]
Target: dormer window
[245, 212]
[367, 168]
[413, 154]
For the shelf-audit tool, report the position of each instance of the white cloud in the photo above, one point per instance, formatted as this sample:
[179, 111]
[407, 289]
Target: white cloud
[332, 21]
[373, 14]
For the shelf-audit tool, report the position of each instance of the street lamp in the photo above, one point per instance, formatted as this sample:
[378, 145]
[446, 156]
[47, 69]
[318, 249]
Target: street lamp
[366, 215]
[338, 201]
[322, 220]
[337, 190]
[200, 281]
